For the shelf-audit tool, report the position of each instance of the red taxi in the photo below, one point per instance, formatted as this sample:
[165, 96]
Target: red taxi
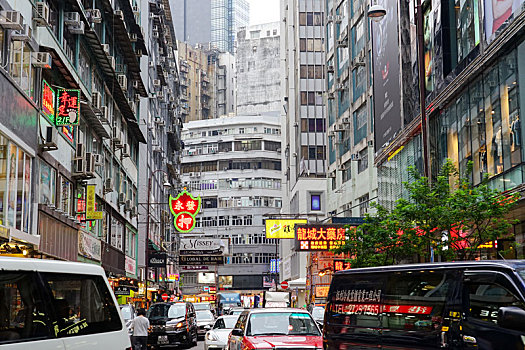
[275, 328]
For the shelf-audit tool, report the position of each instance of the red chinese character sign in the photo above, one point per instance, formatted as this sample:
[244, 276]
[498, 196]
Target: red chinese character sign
[48, 101]
[184, 208]
[319, 237]
[68, 111]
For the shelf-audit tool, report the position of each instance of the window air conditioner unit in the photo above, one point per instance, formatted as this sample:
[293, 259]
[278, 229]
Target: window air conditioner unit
[156, 82]
[125, 151]
[116, 135]
[105, 47]
[95, 16]
[134, 212]
[42, 11]
[112, 62]
[77, 29]
[108, 185]
[127, 205]
[80, 151]
[96, 99]
[123, 81]
[23, 34]
[98, 159]
[104, 114]
[121, 198]
[79, 167]
[11, 20]
[72, 19]
[90, 164]
[50, 138]
[42, 59]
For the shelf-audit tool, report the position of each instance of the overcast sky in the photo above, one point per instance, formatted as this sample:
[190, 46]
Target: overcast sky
[264, 11]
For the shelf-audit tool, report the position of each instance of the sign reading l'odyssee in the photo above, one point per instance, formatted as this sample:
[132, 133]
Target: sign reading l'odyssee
[184, 208]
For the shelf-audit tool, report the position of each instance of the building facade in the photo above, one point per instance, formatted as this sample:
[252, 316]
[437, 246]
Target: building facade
[304, 122]
[259, 69]
[352, 177]
[227, 17]
[474, 92]
[234, 164]
[192, 20]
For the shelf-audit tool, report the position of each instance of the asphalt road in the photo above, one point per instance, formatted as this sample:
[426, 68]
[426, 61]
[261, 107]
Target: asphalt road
[200, 346]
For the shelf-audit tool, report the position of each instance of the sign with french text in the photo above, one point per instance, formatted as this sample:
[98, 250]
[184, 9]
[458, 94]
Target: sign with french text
[68, 111]
[319, 237]
[184, 207]
[201, 260]
[203, 246]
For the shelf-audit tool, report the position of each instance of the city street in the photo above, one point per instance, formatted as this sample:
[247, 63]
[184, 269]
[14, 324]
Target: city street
[199, 346]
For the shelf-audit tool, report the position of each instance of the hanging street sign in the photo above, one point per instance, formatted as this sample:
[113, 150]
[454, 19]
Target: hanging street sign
[184, 207]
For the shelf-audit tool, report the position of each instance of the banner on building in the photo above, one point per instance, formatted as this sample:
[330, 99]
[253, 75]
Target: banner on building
[131, 265]
[184, 207]
[157, 260]
[387, 88]
[225, 281]
[498, 15]
[203, 246]
[319, 237]
[89, 246]
[201, 260]
[68, 110]
[282, 229]
[91, 213]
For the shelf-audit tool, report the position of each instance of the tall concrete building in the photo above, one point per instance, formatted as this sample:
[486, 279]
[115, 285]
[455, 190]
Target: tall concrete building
[304, 123]
[352, 177]
[234, 164]
[227, 17]
[258, 69]
[192, 20]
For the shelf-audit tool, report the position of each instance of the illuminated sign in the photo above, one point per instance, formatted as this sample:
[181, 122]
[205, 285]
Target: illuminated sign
[48, 101]
[488, 245]
[282, 229]
[91, 213]
[68, 111]
[275, 265]
[321, 291]
[319, 237]
[376, 309]
[340, 265]
[184, 208]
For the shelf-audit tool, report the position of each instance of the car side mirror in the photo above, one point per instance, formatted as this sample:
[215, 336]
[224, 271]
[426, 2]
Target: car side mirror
[511, 317]
[237, 332]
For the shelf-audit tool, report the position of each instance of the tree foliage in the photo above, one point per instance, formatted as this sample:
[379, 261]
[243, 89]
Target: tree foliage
[449, 216]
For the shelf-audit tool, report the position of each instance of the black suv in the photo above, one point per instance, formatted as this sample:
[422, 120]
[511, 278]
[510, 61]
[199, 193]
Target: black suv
[172, 324]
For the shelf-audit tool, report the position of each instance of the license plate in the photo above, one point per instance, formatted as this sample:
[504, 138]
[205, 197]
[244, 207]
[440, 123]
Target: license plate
[163, 339]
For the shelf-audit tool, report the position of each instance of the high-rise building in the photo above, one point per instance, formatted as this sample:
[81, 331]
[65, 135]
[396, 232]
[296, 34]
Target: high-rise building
[258, 69]
[234, 164]
[227, 17]
[304, 123]
[192, 20]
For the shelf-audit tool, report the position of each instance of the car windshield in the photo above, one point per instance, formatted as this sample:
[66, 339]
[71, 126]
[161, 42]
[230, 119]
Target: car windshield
[237, 312]
[126, 312]
[225, 323]
[177, 310]
[200, 306]
[318, 312]
[204, 315]
[281, 323]
[522, 274]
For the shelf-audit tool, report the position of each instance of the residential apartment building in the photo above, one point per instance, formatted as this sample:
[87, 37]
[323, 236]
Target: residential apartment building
[227, 17]
[72, 100]
[192, 20]
[159, 157]
[234, 164]
[474, 91]
[259, 69]
[304, 122]
[352, 177]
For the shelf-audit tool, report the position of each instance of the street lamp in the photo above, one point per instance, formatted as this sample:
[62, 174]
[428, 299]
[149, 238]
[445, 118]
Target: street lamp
[166, 185]
[377, 13]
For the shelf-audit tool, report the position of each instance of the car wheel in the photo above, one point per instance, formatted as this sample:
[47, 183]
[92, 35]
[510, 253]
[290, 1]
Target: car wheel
[195, 340]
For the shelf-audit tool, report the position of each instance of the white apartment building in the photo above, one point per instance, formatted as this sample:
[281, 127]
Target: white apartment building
[234, 164]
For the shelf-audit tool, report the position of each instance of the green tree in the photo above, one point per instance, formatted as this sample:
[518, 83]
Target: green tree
[449, 215]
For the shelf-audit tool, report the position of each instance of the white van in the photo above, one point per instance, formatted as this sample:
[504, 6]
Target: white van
[46, 304]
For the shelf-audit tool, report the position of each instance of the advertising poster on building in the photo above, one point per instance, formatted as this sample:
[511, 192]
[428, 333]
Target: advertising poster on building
[89, 246]
[387, 90]
[203, 246]
[499, 14]
[282, 229]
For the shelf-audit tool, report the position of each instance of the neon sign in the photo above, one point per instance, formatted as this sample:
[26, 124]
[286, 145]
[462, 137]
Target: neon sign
[48, 101]
[68, 111]
[184, 207]
[319, 237]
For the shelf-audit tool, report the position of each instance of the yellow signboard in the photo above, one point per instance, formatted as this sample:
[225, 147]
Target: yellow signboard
[91, 214]
[321, 291]
[282, 229]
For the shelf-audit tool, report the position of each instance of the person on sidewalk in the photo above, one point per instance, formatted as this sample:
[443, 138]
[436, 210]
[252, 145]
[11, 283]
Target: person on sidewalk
[139, 340]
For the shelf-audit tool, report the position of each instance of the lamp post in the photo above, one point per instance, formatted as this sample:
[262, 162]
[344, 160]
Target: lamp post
[166, 185]
[377, 13]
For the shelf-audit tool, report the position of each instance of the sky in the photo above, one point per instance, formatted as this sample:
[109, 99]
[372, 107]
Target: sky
[264, 11]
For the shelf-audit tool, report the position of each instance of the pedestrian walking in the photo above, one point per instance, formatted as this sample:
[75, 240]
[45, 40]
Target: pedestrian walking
[139, 340]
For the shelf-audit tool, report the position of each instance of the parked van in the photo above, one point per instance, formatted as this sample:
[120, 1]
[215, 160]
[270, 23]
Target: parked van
[56, 305]
[466, 305]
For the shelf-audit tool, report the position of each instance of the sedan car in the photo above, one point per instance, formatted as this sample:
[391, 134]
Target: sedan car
[275, 328]
[217, 337]
[318, 315]
[205, 320]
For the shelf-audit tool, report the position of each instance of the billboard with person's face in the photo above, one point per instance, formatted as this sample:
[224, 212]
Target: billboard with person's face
[498, 14]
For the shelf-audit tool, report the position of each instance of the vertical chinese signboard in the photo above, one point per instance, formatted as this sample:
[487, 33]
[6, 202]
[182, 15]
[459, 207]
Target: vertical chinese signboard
[91, 213]
[48, 101]
[184, 208]
[319, 237]
[68, 111]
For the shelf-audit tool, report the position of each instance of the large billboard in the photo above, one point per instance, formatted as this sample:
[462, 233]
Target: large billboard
[387, 88]
[282, 229]
[203, 246]
[498, 14]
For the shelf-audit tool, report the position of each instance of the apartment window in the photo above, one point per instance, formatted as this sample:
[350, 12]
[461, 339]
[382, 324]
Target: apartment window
[224, 220]
[236, 220]
[362, 163]
[248, 220]
[363, 204]
[47, 184]
[302, 45]
[21, 68]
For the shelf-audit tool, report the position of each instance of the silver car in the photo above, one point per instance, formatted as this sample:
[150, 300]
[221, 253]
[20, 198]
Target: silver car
[217, 337]
[205, 320]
